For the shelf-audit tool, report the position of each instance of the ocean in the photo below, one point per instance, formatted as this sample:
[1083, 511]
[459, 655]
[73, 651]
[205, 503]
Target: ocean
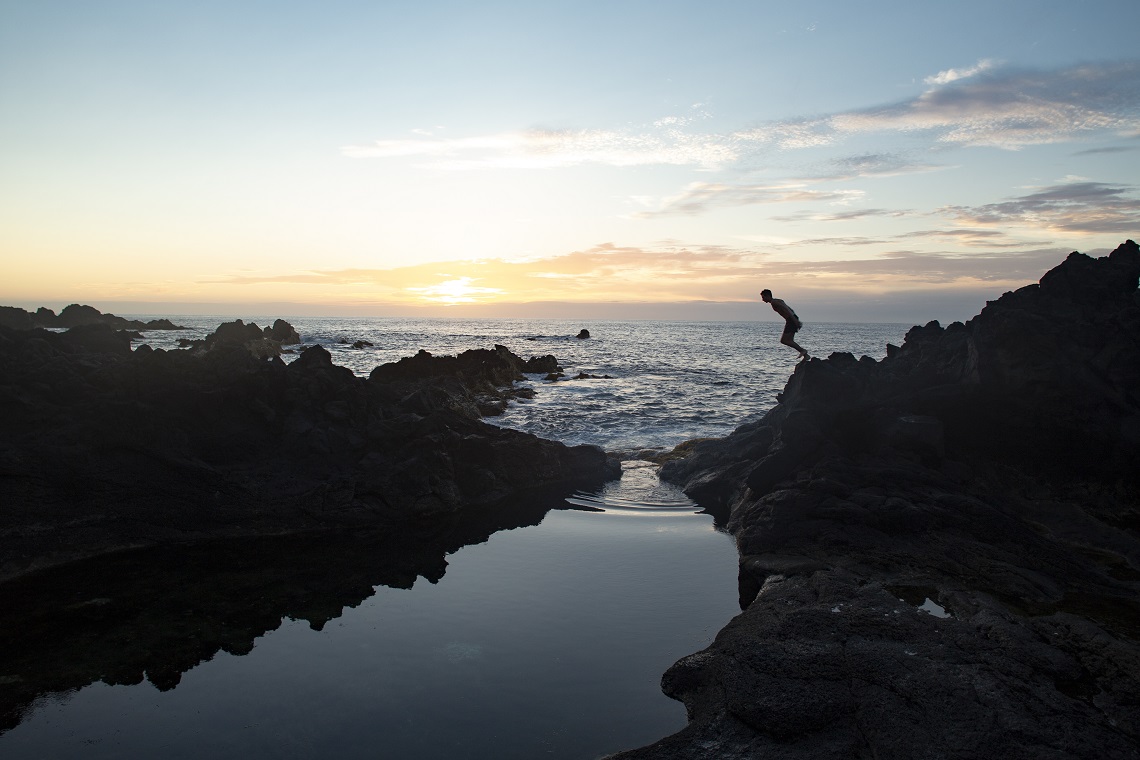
[668, 381]
[546, 641]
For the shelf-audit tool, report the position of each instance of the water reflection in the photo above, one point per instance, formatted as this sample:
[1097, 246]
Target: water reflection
[548, 641]
[154, 614]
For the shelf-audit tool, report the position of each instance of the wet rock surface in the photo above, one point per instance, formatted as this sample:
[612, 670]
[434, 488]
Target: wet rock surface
[103, 449]
[940, 552]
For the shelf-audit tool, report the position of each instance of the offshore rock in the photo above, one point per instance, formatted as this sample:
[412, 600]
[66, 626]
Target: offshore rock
[940, 552]
[283, 332]
[261, 343]
[102, 448]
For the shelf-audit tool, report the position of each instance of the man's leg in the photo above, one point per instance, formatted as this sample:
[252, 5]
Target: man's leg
[788, 339]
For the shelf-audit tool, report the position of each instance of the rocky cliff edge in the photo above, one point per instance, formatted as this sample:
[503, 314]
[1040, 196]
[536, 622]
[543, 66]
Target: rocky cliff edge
[940, 551]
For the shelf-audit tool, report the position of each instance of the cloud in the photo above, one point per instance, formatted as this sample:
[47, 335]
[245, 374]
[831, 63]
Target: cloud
[904, 269]
[1086, 207]
[666, 144]
[953, 75]
[1111, 149]
[973, 238]
[987, 106]
[664, 273]
[970, 238]
[874, 165]
[605, 272]
[843, 216]
[700, 196]
[984, 105]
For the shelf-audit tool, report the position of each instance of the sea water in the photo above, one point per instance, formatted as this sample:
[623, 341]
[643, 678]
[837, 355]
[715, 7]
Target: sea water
[667, 382]
[542, 641]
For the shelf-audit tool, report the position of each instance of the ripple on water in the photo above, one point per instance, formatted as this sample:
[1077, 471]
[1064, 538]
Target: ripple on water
[638, 492]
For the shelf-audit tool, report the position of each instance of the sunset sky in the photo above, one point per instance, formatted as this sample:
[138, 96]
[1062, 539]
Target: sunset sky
[867, 161]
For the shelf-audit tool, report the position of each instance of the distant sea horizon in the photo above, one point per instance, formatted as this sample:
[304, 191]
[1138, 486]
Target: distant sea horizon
[847, 308]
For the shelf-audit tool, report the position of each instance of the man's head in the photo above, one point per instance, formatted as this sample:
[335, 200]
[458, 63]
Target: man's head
[766, 295]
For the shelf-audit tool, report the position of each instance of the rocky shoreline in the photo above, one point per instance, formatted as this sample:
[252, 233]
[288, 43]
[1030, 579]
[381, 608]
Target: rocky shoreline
[104, 448]
[940, 552]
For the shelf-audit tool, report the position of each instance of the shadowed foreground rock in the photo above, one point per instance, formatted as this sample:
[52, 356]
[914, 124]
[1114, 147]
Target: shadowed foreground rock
[103, 449]
[940, 552]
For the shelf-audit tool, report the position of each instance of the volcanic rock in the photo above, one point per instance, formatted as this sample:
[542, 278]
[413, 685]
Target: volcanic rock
[284, 333]
[75, 315]
[103, 449]
[940, 552]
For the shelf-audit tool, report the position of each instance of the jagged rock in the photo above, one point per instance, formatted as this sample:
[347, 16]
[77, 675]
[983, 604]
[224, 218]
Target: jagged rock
[284, 333]
[16, 318]
[540, 365]
[583, 334]
[117, 449]
[249, 336]
[75, 315]
[987, 468]
[234, 332]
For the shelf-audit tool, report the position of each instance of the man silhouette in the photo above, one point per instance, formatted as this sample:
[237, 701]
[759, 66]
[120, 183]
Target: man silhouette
[792, 323]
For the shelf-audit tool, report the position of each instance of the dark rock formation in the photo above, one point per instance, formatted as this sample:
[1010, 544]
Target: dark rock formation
[583, 334]
[475, 383]
[940, 552]
[284, 333]
[104, 449]
[75, 315]
[260, 343]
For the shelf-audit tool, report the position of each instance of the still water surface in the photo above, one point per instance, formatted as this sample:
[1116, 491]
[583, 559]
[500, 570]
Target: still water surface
[544, 641]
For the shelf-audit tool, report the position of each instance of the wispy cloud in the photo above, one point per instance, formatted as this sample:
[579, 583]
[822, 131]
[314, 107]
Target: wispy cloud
[969, 238]
[666, 144]
[987, 106]
[843, 216]
[953, 75]
[982, 105]
[700, 196]
[1093, 207]
[1110, 149]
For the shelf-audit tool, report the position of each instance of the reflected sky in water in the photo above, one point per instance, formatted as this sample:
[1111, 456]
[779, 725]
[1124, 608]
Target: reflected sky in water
[544, 641]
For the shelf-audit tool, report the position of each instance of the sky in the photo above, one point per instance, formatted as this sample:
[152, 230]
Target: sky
[867, 162]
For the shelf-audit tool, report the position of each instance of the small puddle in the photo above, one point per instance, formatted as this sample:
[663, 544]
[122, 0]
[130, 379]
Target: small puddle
[920, 597]
[933, 608]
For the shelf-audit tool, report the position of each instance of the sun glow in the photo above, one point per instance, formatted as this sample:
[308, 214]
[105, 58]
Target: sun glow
[456, 291]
